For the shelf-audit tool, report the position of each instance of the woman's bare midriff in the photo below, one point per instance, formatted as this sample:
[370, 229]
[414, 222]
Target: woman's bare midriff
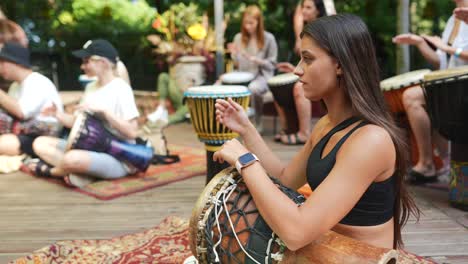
[379, 236]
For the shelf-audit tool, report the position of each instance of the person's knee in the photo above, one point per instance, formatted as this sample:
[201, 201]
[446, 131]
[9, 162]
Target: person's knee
[10, 145]
[75, 161]
[413, 97]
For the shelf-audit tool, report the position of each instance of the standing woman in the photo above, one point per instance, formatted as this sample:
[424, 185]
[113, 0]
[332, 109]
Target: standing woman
[111, 98]
[306, 12]
[254, 50]
[358, 191]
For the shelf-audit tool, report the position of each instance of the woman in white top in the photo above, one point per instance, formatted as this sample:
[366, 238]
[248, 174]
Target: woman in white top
[110, 97]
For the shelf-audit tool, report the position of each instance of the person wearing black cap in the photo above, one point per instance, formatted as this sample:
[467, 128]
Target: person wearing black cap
[28, 95]
[110, 97]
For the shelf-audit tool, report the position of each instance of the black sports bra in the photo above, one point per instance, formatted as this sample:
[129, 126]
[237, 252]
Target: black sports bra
[376, 204]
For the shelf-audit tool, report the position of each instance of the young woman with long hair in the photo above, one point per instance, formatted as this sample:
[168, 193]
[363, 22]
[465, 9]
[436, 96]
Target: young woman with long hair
[354, 159]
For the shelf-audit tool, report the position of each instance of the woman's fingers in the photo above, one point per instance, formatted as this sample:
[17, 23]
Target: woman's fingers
[235, 105]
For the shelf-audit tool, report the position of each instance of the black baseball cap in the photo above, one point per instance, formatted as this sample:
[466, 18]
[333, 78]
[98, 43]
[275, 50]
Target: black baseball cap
[14, 52]
[99, 47]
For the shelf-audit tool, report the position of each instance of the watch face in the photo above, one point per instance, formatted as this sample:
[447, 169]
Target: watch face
[246, 158]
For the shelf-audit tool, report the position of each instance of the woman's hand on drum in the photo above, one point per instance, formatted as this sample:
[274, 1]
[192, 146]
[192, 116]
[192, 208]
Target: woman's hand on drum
[408, 38]
[232, 115]
[92, 108]
[230, 152]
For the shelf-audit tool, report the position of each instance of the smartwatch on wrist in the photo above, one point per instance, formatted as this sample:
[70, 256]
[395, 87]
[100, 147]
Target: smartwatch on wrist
[245, 160]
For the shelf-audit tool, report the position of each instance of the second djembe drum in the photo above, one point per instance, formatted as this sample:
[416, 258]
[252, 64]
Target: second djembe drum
[393, 89]
[201, 103]
[237, 78]
[446, 95]
[281, 86]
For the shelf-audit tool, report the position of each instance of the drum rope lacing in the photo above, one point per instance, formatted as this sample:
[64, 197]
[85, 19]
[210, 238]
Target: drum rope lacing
[226, 194]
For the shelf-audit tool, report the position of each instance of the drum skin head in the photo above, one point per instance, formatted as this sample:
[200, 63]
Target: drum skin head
[447, 73]
[237, 77]
[404, 80]
[281, 79]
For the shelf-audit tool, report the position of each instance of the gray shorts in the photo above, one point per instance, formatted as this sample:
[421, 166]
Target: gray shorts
[103, 165]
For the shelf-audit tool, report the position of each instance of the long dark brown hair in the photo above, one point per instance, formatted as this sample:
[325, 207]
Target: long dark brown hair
[346, 38]
[256, 13]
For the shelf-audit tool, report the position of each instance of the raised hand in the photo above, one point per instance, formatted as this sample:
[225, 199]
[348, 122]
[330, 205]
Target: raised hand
[232, 115]
[285, 67]
[461, 13]
[408, 38]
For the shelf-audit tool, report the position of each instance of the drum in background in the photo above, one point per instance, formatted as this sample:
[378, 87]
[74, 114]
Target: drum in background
[85, 80]
[6, 123]
[237, 78]
[90, 133]
[281, 86]
[38, 126]
[394, 87]
[201, 103]
[446, 95]
[226, 227]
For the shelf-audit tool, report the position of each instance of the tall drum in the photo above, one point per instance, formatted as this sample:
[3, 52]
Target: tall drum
[393, 89]
[281, 86]
[447, 101]
[201, 103]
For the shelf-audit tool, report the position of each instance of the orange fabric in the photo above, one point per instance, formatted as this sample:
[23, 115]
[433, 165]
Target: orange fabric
[305, 190]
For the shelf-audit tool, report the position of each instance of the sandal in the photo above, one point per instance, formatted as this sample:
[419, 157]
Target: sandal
[418, 178]
[41, 168]
[277, 137]
[293, 139]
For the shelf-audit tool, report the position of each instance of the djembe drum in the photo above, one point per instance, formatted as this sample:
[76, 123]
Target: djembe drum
[89, 132]
[38, 126]
[446, 95]
[201, 103]
[393, 89]
[226, 227]
[281, 86]
[237, 78]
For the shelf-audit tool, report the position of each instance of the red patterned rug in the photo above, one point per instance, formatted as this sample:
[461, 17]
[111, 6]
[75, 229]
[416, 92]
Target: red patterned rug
[165, 243]
[192, 163]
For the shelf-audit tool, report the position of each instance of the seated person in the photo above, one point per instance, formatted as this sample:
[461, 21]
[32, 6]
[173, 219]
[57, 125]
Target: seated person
[111, 98]
[168, 90]
[451, 52]
[306, 12]
[29, 93]
[255, 50]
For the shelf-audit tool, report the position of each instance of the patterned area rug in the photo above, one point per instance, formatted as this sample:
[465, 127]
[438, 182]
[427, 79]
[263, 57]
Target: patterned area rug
[192, 163]
[165, 243]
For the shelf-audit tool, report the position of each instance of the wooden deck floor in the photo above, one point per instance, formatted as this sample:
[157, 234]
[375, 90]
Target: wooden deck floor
[35, 213]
